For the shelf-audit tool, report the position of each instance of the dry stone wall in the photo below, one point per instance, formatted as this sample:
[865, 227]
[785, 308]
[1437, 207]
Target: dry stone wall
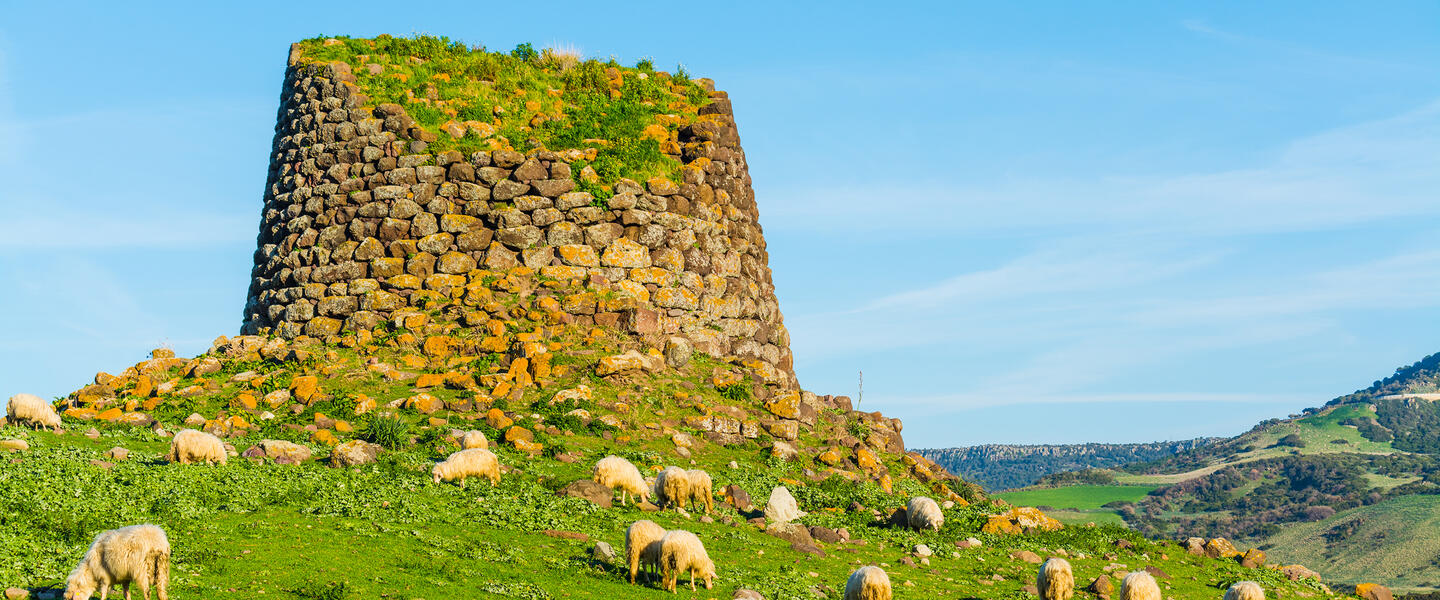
[361, 221]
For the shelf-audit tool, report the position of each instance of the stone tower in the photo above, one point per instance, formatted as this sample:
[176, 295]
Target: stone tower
[362, 219]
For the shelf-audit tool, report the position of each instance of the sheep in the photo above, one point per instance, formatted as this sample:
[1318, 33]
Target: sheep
[475, 462]
[1245, 590]
[868, 583]
[672, 487]
[923, 513]
[615, 472]
[1056, 581]
[33, 410]
[473, 439]
[1139, 586]
[138, 554]
[702, 489]
[681, 551]
[191, 446]
[642, 546]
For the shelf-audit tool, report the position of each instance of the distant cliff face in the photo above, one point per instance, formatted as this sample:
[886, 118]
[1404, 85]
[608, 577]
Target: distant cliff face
[1003, 466]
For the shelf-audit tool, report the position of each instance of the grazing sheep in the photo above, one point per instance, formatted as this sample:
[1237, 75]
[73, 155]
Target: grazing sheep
[642, 546]
[473, 439]
[1056, 581]
[191, 446]
[32, 410]
[615, 472]
[1245, 590]
[681, 551]
[868, 583]
[702, 489]
[924, 513]
[475, 462]
[672, 487]
[1139, 586]
[138, 554]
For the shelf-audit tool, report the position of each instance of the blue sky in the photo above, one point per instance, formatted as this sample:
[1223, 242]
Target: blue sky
[1060, 222]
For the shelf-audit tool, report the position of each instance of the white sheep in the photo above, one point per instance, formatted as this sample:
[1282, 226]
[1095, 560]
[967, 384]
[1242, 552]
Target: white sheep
[473, 439]
[923, 513]
[868, 583]
[1139, 586]
[1245, 590]
[702, 489]
[616, 472]
[681, 551]
[672, 487]
[191, 446]
[1056, 580]
[32, 410]
[642, 546]
[138, 554]
[475, 462]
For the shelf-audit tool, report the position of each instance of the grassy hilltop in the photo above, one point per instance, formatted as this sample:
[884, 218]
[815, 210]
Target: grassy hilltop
[504, 356]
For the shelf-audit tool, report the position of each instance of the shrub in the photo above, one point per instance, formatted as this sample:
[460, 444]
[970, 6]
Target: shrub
[735, 392]
[390, 432]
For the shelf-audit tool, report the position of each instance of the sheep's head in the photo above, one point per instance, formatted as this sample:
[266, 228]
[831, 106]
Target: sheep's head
[707, 572]
[436, 473]
[79, 587]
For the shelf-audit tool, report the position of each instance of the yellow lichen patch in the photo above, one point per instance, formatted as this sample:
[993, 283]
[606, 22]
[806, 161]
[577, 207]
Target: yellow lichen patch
[1019, 520]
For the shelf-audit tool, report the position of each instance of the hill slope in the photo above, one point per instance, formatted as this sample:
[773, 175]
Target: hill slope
[1362, 462]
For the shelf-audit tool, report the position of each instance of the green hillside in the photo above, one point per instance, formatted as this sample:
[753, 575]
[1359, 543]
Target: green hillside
[385, 530]
[1393, 541]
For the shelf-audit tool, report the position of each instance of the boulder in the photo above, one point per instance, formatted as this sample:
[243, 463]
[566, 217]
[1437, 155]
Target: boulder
[794, 533]
[746, 594]
[603, 553]
[354, 453]
[1027, 556]
[781, 508]
[1101, 586]
[589, 490]
[1254, 558]
[14, 445]
[1298, 572]
[1220, 548]
[826, 534]
[1195, 545]
[1373, 591]
[117, 453]
[283, 452]
[738, 498]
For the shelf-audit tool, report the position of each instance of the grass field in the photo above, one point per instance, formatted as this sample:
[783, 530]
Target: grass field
[1393, 542]
[1078, 497]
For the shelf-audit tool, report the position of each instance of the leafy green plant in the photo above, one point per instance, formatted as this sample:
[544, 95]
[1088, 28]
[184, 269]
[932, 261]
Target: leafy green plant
[525, 52]
[735, 392]
[334, 590]
[390, 432]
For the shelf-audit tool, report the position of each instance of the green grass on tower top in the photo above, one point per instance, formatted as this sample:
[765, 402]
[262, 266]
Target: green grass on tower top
[473, 99]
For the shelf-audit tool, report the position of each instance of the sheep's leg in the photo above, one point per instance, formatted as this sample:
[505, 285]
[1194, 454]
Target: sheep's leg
[126, 588]
[692, 579]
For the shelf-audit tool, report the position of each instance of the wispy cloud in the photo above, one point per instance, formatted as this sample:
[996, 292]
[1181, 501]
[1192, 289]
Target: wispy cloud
[98, 231]
[970, 401]
[1385, 169]
[1265, 44]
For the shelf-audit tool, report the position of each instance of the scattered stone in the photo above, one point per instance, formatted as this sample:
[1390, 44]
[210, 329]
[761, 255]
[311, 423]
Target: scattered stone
[826, 534]
[923, 551]
[746, 594]
[589, 490]
[781, 508]
[94, 434]
[354, 453]
[1195, 546]
[1298, 572]
[738, 498]
[1373, 591]
[283, 452]
[16, 594]
[603, 553]
[567, 535]
[14, 445]
[1027, 556]
[1254, 558]
[117, 453]
[1157, 572]
[1220, 548]
[1101, 586]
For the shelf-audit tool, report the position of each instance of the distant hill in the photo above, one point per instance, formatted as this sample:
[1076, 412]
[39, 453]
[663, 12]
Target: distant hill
[1347, 488]
[1005, 466]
